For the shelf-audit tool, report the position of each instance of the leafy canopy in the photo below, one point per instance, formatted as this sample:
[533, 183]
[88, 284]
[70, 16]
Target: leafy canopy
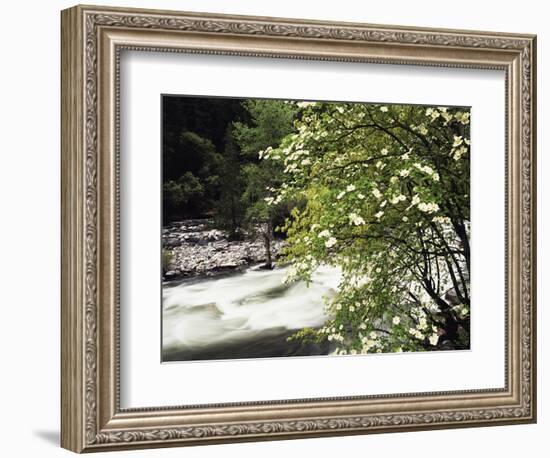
[387, 203]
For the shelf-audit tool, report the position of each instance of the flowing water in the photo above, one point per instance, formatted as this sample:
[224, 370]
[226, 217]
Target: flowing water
[248, 314]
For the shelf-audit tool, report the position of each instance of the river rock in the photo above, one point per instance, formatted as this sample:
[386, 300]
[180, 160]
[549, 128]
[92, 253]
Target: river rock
[196, 249]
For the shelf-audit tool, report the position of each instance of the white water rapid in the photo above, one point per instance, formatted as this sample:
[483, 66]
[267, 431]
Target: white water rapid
[247, 314]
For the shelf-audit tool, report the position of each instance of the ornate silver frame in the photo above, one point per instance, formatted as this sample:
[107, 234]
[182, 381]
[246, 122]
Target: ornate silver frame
[92, 38]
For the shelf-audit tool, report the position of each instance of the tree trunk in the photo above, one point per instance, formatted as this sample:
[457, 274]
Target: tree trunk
[267, 243]
[233, 215]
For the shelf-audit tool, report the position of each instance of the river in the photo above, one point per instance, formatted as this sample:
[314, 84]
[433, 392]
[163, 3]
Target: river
[248, 314]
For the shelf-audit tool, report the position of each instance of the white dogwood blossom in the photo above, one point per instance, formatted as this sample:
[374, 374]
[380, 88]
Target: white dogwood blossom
[404, 172]
[376, 193]
[397, 199]
[306, 104]
[457, 141]
[431, 207]
[434, 338]
[355, 219]
[330, 242]
[324, 233]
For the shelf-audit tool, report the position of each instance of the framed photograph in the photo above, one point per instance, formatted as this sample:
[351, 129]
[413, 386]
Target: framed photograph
[278, 228]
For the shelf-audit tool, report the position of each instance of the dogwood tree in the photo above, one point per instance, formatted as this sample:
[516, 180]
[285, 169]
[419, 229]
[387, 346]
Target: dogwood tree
[386, 191]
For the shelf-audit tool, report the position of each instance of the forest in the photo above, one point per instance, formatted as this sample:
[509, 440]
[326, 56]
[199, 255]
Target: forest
[379, 192]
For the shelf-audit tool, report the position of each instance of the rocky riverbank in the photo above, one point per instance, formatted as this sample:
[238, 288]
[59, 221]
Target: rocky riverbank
[193, 247]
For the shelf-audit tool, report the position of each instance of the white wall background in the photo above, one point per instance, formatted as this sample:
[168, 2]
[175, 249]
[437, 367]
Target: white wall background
[29, 229]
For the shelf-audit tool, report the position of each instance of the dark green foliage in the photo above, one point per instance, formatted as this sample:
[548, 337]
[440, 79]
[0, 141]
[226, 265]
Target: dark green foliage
[270, 121]
[190, 153]
[182, 197]
[193, 146]
[190, 175]
[211, 166]
[206, 116]
[229, 208]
